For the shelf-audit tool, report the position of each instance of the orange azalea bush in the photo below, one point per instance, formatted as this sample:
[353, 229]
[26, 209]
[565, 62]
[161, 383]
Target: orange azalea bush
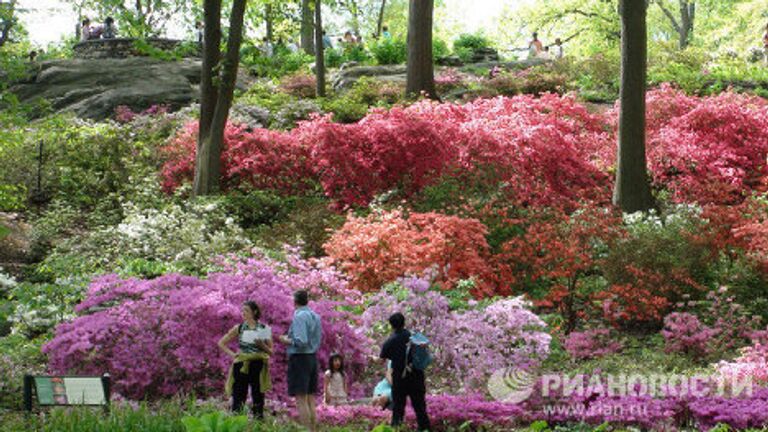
[380, 248]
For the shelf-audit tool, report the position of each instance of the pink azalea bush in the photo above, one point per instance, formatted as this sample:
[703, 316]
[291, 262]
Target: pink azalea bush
[591, 343]
[158, 337]
[469, 345]
[751, 364]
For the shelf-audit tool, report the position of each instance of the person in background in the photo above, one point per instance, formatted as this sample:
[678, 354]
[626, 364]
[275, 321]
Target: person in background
[250, 367]
[559, 48]
[109, 31]
[385, 32]
[293, 46]
[327, 43]
[303, 340]
[349, 40]
[535, 47]
[85, 30]
[266, 48]
[335, 388]
[200, 30]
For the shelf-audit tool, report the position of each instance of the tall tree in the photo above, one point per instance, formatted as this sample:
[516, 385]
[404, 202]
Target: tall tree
[421, 73]
[8, 20]
[136, 18]
[307, 28]
[632, 191]
[217, 87]
[380, 20]
[319, 49]
[683, 23]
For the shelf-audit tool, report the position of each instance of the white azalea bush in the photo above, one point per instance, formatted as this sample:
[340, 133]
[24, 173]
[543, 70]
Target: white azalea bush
[184, 236]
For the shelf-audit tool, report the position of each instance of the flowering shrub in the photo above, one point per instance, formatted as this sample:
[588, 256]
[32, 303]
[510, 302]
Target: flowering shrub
[590, 344]
[302, 85]
[706, 150]
[443, 413]
[175, 237]
[124, 114]
[384, 151]
[449, 79]
[557, 251]
[381, 247]
[683, 332]
[159, 337]
[751, 364]
[506, 332]
[651, 268]
[261, 158]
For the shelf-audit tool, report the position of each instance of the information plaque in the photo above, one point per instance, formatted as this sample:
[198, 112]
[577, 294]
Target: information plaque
[66, 390]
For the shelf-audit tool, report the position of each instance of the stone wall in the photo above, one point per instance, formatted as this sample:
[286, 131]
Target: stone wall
[119, 47]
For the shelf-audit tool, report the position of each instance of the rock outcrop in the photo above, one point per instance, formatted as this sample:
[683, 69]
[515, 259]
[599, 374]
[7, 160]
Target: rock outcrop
[92, 88]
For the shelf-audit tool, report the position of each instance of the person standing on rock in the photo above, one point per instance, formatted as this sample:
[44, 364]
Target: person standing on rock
[535, 47]
[85, 30]
[109, 31]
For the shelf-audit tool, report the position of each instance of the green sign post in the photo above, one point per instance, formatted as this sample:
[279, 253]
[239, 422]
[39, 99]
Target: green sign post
[66, 390]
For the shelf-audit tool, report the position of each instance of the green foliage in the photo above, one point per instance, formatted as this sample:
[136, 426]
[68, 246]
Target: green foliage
[280, 64]
[254, 208]
[19, 356]
[388, 51]
[37, 308]
[439, 48]
[186, 49]
[309, 225]
[353, 104]
[215, 422]
[471, 41]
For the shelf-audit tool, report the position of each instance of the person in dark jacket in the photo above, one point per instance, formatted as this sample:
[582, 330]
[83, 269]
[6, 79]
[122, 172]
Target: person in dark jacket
[404, 384]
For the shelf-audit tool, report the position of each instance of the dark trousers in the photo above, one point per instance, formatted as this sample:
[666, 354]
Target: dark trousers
[240, 388]
[409, 387]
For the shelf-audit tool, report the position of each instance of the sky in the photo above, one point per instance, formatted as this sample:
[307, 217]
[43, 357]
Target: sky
[49, 20]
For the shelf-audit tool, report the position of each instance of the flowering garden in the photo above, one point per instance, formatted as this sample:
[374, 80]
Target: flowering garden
[487, 222]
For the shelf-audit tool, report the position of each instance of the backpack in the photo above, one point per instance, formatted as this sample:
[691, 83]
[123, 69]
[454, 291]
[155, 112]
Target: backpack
[418, 354]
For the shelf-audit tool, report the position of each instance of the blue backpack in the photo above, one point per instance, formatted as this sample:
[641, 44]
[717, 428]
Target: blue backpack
[418, 354]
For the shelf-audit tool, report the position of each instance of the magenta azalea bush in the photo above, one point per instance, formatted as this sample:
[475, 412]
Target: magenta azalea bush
[469, 345]
[158, 337]
[591, 344]
[684, 333]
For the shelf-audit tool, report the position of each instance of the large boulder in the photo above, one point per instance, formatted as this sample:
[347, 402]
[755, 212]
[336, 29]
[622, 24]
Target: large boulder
[92, 88]
[346, 77]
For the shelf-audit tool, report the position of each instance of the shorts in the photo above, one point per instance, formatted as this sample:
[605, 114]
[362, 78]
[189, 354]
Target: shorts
[302, 374]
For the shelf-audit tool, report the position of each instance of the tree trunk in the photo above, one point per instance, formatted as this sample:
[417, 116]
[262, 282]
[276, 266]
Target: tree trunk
[420, 76]
[216, 102]
[632, 192]
[380, 23]
[687, 14]
[307, 28]
[319, 49]
[268, 21]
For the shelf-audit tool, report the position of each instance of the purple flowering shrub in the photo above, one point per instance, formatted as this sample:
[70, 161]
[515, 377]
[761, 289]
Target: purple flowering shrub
[590, 344]
[684, 333]
[468, 345]
[158, 338]
[447, 412]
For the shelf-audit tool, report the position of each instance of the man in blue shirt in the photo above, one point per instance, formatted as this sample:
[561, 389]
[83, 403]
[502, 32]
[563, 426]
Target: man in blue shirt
[303, 340]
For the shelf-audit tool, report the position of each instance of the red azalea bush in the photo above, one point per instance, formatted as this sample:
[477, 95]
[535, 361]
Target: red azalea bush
[261, 158]
[382, 247]
[556, 252]
[158, 338]
[384, 151]
[705, 150]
